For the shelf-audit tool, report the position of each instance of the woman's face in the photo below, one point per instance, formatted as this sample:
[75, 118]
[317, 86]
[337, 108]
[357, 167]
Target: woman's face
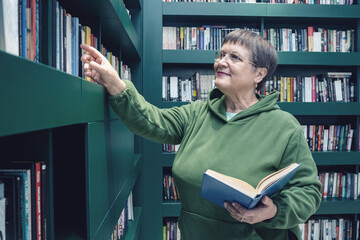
[235, 76]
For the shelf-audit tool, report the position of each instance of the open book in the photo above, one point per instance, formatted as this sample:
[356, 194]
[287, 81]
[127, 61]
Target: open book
[218, 188]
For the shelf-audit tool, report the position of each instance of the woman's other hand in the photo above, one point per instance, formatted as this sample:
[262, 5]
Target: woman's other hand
[265, 210]
[98, 68]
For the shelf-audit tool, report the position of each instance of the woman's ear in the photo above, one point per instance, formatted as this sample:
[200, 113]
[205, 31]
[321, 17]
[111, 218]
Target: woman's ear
[260, 74]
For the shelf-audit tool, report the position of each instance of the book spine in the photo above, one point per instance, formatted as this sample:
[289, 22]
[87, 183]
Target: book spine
[38, 200]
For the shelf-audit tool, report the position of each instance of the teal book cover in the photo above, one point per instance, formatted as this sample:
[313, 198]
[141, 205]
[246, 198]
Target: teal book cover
[218, 188]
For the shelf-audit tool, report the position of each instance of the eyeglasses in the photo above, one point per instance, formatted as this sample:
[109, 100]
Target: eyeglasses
[231, 57]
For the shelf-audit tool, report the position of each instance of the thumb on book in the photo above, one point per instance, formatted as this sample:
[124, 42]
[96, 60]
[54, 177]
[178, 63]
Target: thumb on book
[265, 200]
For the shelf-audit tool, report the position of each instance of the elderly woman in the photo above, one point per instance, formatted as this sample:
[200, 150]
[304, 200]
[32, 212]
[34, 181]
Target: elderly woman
[236, 132]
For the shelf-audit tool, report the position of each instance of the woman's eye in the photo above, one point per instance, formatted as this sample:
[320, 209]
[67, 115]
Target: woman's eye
[235, 57]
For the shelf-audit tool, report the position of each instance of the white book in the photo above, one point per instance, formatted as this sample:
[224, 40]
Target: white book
[302, 230]
[356, 186]
[193, 38]
[305, 131]
[326, 140]
[331, 137]
[61, 39]
[58, 56]
[189, 91]
[164, 88]
[338, 90]
[317, 41]
[173, 38]
[174, 88]
[343, 42]
[293, 42]
[9, 26]
[333, 229]
[333, 32]
[2, 217]
[334, 184]
[326, 185]
[308, 89]
[341, 229]
[68, 44]
[349, 140]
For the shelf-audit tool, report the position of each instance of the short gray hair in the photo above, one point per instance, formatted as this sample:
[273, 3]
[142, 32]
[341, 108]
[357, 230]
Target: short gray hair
[262, 53]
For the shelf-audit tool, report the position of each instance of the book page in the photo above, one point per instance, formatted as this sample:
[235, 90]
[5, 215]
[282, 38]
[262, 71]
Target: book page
[270, 179]
[237, 184]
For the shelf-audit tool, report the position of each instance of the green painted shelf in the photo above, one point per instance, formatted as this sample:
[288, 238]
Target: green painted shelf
[320, 108]
[328, 207]
[116, 26]
[313, 11]
[300, 108]
[134, 226]
[119, 202]
[284, 58]
[336, 158]
[339, 206]
[56, 100]
[171, 208]
[321, 158]
[213, 9]
[34, 96]
[260, 10]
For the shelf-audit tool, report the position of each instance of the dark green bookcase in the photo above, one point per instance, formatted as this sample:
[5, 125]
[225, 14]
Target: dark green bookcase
[261, 15]
[93, 161]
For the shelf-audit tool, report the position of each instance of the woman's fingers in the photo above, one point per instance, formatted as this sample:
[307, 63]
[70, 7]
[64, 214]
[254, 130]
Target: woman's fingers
[92, 51]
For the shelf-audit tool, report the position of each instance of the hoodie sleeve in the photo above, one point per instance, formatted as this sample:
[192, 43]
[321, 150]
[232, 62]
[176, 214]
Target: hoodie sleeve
[301, 197]
[145, 119]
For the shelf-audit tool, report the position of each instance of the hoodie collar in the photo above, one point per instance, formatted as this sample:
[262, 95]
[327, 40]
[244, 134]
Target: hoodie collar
[216, 103]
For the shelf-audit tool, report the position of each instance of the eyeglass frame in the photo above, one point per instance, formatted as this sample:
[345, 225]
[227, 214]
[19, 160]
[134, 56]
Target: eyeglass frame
[241, 59]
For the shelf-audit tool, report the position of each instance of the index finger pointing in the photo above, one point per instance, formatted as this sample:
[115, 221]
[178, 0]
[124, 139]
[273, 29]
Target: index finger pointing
[92, 51]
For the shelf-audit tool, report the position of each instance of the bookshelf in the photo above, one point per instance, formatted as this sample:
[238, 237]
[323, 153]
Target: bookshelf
[159, 62]
[93, 161]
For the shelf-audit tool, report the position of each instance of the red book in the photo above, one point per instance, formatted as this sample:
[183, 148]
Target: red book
[311, 39]
[33, 28]
[38, 199]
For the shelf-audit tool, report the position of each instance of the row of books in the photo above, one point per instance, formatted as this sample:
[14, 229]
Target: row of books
[196, 38]
[20, 28]
[127, 215]
[69, 35]
[171, 229]
[330, 228]
[170, 191]
[329, 2]
[22, 201]
[196, 87]
[283, 39]
[339, 185]
[170, 148]
[329, 137]
[309, 40]
[20, 35]
[332, 87]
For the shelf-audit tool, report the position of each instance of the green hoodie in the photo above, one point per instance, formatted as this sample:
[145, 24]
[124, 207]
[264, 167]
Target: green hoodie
[256, 142]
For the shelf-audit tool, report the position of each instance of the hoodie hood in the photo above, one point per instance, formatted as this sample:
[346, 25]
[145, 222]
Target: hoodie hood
[216, 103]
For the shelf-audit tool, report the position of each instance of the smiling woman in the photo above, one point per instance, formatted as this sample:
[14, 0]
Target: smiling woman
[211, 138]
[243, 65]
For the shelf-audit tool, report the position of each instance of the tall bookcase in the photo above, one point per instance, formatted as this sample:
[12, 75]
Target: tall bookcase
[93, 161]
[159, 62]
